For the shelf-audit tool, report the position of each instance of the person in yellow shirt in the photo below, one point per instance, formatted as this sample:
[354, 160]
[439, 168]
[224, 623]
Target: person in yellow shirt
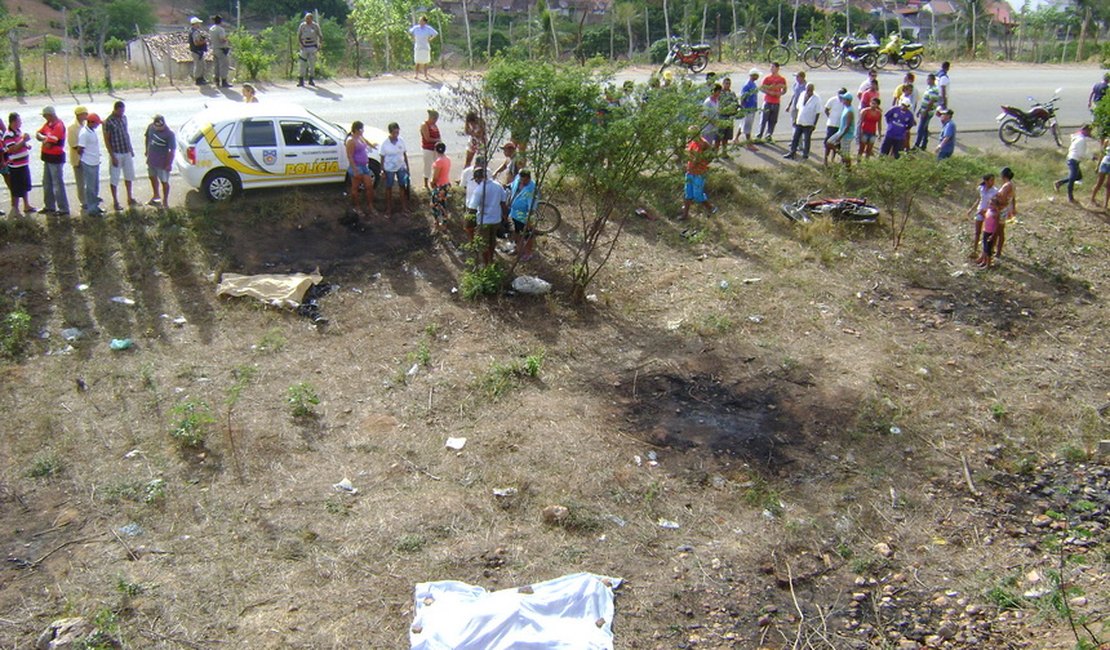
[72, 131]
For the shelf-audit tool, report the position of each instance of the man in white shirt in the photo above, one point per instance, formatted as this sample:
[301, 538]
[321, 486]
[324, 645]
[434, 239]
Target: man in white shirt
[809, 111]
[88, 148]
[833, 109]
[943, 84]
[491, 203]
[422, 34]
[1082, 146]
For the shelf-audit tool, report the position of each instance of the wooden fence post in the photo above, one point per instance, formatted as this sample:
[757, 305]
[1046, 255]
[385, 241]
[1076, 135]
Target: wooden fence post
[17, 68]
[45, 79]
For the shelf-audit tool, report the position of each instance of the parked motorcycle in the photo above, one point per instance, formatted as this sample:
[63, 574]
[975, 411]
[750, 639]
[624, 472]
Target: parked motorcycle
[694, 57]
[897, 52]
[847, 209]
[1038, 120]
[862, 51]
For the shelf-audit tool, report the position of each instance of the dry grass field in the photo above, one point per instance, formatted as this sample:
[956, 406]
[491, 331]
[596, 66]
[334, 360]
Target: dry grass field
[861, 447]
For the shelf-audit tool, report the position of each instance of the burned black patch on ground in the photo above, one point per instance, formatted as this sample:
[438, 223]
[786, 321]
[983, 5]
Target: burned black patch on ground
[704, 413]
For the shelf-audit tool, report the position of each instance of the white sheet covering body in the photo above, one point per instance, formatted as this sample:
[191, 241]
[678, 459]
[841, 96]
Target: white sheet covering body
[574, 612]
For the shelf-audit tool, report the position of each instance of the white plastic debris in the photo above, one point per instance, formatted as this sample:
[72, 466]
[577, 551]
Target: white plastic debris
[82, 287]
[345, 486]
[574, 612]
[531, 285]
[504, 492]
[756, 318]
[668, 524]
[134, 453]
[180, 321]
[413, 370]
[456, 443]
[123, 300]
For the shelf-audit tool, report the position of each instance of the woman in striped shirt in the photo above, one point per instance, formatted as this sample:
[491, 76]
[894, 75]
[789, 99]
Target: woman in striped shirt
[18, 152]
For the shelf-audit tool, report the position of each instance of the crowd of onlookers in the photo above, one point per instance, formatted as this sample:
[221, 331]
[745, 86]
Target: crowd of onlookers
[86, 151]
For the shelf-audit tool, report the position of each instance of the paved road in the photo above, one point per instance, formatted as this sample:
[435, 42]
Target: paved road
[977, 92]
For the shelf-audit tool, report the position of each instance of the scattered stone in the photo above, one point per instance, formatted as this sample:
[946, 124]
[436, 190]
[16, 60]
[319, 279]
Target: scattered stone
[555, 514]
[1040, 521]
[883, 549]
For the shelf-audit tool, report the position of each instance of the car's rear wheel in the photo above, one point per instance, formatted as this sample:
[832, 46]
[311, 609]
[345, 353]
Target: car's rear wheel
[221, 185]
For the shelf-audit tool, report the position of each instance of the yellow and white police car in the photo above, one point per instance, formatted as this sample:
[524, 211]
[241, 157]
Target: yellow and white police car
[233, 147]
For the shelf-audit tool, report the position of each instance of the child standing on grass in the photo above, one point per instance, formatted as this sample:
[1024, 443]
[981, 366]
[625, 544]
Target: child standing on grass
[987, 192]
[990, 228]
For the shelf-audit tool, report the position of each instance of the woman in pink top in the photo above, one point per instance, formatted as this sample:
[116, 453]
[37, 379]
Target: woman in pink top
[441, 184]
[358, 160]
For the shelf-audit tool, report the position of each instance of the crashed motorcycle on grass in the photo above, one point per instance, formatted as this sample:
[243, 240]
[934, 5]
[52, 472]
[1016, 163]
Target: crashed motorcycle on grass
[843, 209]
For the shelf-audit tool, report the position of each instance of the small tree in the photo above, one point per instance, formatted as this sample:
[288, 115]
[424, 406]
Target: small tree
[896, 184]
[615, 162]
[254, 55]
[1102, 117]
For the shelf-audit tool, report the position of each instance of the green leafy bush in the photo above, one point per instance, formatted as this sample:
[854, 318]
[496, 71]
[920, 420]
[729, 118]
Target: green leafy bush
[302, 400]
[15, 333]
[253, 54]
[194, 419]
[483, 281]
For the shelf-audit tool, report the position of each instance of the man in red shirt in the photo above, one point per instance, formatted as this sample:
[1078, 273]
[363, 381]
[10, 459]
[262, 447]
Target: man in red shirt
[52, 135]
[773, 87]
[697, 164]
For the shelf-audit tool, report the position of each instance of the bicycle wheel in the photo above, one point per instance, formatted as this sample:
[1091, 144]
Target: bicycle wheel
[779, 54]
[835, 60]
[546, 218]
[814, 56]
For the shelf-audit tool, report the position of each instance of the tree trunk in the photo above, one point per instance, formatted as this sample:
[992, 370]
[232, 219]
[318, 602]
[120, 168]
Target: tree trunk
[489, 32]
[794, 23]
[667, 22]
[554, 34]
[1083, 35]
[612, 44]
[103, 36]
[629, 25]
[704, 17]
[469, 43]
[17, 67]
[647, 29]
[732, 41]
[65, 47]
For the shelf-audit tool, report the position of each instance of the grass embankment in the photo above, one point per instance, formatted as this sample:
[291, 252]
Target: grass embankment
[801, 401]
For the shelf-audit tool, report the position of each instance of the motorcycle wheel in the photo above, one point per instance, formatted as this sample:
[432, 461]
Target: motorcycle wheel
[835, 60]
[1055, 128]
[882, 60]
[860, 214]
[814, 56]
[915, 61]
[699, 63]
[792, 212]
[1009, 132]
[868, 61]
[779, 54]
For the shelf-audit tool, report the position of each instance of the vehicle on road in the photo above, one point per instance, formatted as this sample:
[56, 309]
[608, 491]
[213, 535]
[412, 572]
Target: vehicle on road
[228, 148]
[694, 57]
[849, 209]
[898, 52]
[781, 53]
[861, 51]
[1013, 122]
